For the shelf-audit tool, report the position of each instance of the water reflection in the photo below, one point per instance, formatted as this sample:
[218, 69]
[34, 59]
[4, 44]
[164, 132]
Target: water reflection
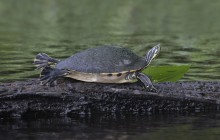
[163, 126]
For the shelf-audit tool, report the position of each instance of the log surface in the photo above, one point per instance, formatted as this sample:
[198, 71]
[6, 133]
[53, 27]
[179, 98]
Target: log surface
[71, 97]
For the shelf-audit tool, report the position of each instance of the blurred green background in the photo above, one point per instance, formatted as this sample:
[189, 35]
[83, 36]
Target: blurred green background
[188, 31]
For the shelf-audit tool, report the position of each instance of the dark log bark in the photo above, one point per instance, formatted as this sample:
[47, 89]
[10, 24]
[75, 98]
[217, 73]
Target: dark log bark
[69, 97]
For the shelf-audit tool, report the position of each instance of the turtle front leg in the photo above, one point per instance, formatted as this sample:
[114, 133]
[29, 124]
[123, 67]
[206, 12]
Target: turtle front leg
[143, 79]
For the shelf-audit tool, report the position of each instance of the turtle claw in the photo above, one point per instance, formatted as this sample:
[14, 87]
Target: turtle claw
[150, 88]
[153, 89]
[49, 75]
[48, 81]
[42, 60]
[145, 80]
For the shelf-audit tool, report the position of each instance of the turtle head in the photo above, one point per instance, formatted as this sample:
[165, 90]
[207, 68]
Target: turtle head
[151, 54]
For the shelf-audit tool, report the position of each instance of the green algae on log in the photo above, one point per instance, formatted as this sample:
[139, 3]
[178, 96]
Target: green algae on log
[70, 97]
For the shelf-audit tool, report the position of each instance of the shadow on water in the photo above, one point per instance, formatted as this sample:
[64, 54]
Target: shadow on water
[163, 126]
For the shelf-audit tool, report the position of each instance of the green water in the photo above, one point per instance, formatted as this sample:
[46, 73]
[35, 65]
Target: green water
[188, 31]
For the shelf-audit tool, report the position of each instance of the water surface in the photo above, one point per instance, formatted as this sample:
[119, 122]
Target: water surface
[188, 31]
[114, 127]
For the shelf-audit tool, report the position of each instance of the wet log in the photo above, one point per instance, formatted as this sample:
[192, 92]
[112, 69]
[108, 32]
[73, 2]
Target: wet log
[70, 97]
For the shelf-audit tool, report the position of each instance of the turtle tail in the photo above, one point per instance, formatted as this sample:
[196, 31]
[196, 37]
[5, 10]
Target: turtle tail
[42, 60]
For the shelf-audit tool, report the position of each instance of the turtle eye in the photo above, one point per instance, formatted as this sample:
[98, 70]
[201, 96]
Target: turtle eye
[109, 74]
[119, 74]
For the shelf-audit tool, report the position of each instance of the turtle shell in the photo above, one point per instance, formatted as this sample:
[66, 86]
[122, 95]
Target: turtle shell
[104, 59]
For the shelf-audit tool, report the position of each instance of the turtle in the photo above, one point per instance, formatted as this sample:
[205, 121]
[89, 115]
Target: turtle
[103, 64]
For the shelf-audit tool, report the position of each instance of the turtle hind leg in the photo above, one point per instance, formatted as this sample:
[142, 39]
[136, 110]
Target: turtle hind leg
[146, 81]
[42, 60]
[49, 75]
